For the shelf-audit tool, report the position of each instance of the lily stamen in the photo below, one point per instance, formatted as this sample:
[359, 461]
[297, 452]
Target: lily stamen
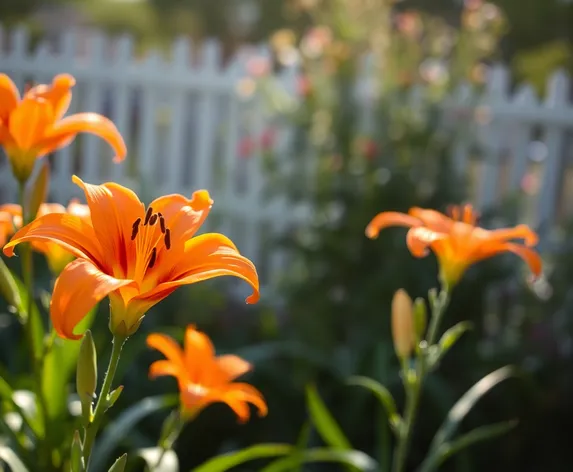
[135, 228]
[148, 216]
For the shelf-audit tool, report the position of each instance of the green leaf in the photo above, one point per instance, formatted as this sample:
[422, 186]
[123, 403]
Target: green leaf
[14, 462]
[448, 339]
[352, 458]
[119, 464]
[385, 398]
[159, 460]
[60, 362]
[227, 461]
[9, 289]
[482, 433]
[463, 406]
[124, 423]
[114, 396]
[324, 422]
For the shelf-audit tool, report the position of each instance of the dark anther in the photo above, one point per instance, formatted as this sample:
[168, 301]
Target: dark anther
[153, 258]
[153, 219]
[148, 215]
[168, 239]
[162, 222]
[135, 228]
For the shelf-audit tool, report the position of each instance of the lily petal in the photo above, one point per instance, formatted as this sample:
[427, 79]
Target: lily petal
[420, 239]
[165, 368]
[77, 290]
[199, 353]
[205, 257]
[112, 207]
[183, 216]
[58, 93]
[29, 121]
[69, 231]
[167, 346]
[93, 123]
[523, 232]
[9, 97]
[390, 218]
[233, 366]
[531, 257]
[432, 219]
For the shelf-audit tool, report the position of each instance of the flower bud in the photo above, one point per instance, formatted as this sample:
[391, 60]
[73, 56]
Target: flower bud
[86, 375]
[420, 318]
[402, 324]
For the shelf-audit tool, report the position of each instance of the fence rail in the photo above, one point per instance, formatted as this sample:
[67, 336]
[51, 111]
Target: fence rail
[185, 126]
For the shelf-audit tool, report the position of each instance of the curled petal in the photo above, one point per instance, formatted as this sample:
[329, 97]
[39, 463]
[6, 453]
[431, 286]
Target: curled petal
[29, 121]
[77, 290]
[532, 258]
[87, 123]
[239, 395]
[421, 238]
[69, 231]
[233, 366]
[9, 97]
[523, 232]
[184, 216]
[387, 219]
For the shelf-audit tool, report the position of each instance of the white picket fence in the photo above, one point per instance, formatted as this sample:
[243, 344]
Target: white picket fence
[184, 122]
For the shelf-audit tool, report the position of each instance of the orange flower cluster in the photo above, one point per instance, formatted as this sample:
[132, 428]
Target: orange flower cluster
[114, 246]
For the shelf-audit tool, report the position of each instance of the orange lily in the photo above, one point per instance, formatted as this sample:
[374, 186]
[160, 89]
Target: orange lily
[204, 378]
[57, 257]
[457, 241]
[134, 255]
[32, 126]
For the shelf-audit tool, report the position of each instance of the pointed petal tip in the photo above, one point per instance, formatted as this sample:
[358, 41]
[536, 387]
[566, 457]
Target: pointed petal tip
[201, 200]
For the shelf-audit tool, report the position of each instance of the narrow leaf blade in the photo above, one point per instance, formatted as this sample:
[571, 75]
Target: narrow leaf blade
[384, 396]
[351, 458]
[225, 462]
[325, 424]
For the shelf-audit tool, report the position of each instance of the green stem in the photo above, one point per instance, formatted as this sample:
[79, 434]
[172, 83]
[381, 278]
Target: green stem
[91, 429]
[414, 390]
[28, 279]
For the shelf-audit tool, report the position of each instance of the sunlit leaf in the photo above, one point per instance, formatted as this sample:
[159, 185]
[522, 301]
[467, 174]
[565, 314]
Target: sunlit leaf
[227, 461]
[37, 190]
[465, 404]
[14, 462]
[124, 423]
[59, 366]
[159, 460]
[352, 458]
[385, 398]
